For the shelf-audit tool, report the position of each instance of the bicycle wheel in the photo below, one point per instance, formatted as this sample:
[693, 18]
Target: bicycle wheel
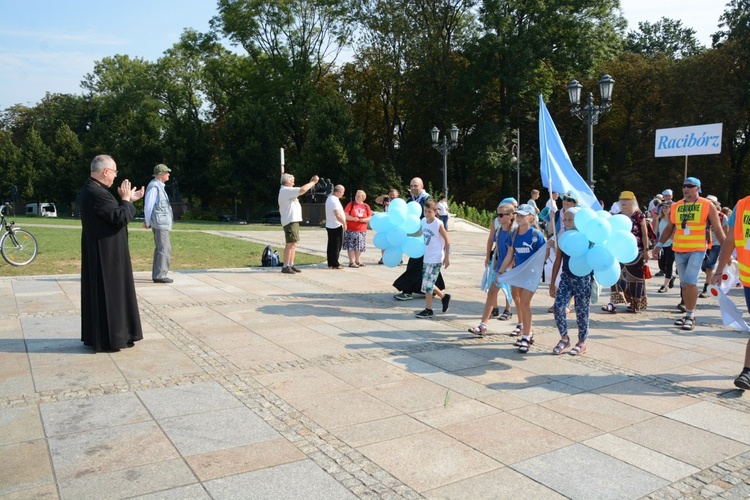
[18, 248]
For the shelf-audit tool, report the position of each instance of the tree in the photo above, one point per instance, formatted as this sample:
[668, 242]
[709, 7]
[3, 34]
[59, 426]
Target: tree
[666, 36]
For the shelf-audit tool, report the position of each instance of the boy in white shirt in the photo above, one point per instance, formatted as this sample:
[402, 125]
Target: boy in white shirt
[436, 254]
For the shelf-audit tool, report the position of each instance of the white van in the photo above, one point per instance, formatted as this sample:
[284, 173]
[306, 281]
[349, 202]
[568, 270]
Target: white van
[45, 209]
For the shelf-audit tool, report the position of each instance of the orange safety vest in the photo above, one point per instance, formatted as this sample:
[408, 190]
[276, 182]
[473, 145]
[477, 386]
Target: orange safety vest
[741, 237]
[693, 237]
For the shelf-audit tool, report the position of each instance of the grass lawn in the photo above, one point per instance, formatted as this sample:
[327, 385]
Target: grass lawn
[59, 243]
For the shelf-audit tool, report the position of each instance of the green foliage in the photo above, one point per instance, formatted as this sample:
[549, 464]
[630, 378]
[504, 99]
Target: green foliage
[477, 216]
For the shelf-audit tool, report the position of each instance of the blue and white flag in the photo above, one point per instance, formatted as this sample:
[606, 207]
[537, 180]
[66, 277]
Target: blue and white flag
[527, 275]
[558, 172]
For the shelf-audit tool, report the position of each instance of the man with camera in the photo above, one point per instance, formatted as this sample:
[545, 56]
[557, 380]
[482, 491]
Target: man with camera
[291, 215]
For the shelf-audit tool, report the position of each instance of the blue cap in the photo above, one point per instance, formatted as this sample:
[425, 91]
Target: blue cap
[544, 214]
[572, 195]
[508, 200]
[696, 181]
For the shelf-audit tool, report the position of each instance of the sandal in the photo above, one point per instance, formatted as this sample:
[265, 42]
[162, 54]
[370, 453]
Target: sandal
[580, 348]
[360, 264]
[688, 324]
[681, 307]
[524, 343]
[662, 289]
[480, 330]
[353, 265]
[505, 315]
[517, 330]
[680, 321]
[551, 309]
[561, 346]
[610, 308]
[495, 312]
[529, 340]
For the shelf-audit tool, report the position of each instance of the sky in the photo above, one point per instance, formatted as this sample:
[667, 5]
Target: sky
[50, 45]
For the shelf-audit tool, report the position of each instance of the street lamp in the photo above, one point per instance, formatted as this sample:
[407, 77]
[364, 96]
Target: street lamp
[515, 152]
[444, 148]
[590, 113]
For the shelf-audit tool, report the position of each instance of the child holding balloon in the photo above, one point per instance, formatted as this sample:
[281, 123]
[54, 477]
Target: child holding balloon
[437, 247]
[524, 242]
[570, 285]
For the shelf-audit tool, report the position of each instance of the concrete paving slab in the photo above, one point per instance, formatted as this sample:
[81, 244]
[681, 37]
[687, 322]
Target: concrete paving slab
[68, 417]
[605, 476]
[186, 400]
[301, 479]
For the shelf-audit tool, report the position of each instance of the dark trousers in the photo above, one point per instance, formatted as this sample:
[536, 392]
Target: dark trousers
[666, 261]
[335, 241]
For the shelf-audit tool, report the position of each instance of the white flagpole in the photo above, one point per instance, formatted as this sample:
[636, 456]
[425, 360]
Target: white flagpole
[282, 161]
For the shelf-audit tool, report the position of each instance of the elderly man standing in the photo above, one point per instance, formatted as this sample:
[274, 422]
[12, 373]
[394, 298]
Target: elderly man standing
[687, 227]
[335, 226]
[291, 216]
[109, 307]
[158, 217]
[410, 281]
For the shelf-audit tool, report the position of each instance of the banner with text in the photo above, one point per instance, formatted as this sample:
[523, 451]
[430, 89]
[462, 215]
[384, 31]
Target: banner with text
[689, 141]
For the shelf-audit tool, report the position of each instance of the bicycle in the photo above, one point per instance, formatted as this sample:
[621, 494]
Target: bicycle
[17, 246]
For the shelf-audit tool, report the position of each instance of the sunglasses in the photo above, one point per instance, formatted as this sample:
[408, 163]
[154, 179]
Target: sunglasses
[689, 186]
[500, 216]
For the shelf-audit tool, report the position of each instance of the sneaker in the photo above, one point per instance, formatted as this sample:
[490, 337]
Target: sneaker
[425, 313]
[703, 295]
[446, 300]
[495, 312]
[294, 268]
[743, 381]
[403, 296]
[659, 274]
[671, 282]
[287, 270]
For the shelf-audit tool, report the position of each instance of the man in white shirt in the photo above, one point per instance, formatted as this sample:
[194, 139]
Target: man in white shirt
[532, 200]
[335, 226]
[552, 203]
[291, 215]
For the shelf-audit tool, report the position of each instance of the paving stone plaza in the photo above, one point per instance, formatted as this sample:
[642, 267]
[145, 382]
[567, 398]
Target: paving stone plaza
[251, 383]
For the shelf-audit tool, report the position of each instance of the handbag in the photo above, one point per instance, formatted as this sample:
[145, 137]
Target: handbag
[646, 271]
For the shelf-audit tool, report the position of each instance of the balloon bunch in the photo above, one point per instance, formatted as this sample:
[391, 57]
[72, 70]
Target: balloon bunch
[599, 243]
[393, 229]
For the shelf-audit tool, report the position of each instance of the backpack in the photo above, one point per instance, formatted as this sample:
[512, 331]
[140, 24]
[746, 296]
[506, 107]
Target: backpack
[270, 257]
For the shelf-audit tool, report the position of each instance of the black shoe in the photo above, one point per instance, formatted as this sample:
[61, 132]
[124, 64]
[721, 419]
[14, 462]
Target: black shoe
[495, 312]
[294, 268]
[426, 313]
[446, 300]
[659, 274]
[681, 307]
[743, 381]
[163, 280]
[287, 270]
[671, 282]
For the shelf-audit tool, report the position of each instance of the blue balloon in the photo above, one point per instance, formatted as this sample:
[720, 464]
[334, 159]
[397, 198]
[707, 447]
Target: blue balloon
[413, 247]
[598, 230]
[600, 258]
[621, 222]
[396, 236]
[396, 217]
[579, 265]
[603, 214]
[392, 256]
[608, 276]
[381, 222]
[623, 246]
[414, 208]
[381, 240]
[583, 217]
[397, 205]
[412, 224]
[575, 244]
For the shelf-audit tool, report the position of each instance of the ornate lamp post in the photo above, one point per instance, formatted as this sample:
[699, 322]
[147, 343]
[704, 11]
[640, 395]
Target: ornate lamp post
[444, 148]
[590, 113]
[515, 152]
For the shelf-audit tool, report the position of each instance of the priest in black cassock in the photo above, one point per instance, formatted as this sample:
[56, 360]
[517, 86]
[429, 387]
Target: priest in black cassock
[109, 309]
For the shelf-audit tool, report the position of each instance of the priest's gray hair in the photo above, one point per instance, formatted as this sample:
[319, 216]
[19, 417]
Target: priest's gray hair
[101, 162]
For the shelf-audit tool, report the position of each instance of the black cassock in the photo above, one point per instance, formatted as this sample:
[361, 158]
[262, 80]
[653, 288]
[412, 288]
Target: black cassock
[109, 308]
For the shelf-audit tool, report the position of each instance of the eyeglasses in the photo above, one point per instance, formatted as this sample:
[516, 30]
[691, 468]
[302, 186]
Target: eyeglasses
[689, 186]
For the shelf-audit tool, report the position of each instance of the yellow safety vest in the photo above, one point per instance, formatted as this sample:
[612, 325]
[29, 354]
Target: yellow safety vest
[741, 236]
[692, 238]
